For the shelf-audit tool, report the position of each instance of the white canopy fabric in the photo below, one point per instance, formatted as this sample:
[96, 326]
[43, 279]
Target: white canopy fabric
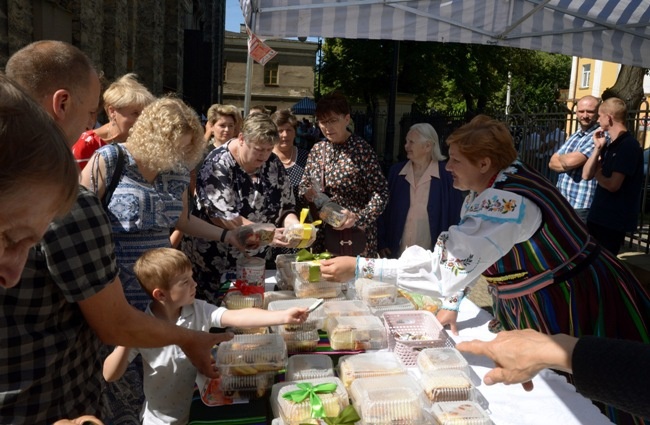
[612, 30]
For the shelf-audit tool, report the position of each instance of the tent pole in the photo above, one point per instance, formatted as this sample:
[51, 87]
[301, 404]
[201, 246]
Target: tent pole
[249, 67]
[390, 119]
[247, 88]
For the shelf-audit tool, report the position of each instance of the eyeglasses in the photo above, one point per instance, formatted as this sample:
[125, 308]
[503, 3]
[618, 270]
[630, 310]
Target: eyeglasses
[329, 122]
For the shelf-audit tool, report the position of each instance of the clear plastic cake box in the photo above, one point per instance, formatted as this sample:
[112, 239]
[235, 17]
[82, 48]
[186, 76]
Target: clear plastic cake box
[356, 333]
[314, 321]
[442, 358]
[301, 341]
[387, 400]
[235, 300]
[459, 413]
[307, 271]
[309, 366]
[447, 385]
[375, 293]
[320, 289]
[332, 309]
[364, 365]
[250, 362]
[296, 413]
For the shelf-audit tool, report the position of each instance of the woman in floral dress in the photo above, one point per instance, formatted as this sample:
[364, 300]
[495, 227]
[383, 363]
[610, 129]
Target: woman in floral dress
[544, 270]
[348, 170]
[242, 182]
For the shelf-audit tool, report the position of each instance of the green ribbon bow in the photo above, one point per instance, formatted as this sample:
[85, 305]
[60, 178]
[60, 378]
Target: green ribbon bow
[308, 390]
[348, 416]
[304, 255]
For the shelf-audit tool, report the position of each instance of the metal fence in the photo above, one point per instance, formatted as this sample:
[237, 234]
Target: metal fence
[537, 135]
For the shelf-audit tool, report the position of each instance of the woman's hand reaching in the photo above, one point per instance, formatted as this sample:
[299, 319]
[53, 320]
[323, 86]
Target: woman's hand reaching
[338, 269]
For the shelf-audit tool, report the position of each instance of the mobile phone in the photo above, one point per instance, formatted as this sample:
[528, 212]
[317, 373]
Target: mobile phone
[315, 305]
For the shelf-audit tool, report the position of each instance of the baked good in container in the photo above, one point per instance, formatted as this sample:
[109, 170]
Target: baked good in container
[447, 385]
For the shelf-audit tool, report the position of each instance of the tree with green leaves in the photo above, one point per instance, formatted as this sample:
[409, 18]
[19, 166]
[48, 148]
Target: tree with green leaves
[443, 76]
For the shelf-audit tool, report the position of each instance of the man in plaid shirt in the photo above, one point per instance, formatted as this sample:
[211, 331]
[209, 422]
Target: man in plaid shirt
[572, 156]
[69, 299]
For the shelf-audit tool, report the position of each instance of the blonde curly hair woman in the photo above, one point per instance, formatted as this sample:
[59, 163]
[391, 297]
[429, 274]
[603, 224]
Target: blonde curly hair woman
[150, 199]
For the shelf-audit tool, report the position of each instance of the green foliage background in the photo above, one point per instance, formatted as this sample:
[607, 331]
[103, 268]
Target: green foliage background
[443, 76]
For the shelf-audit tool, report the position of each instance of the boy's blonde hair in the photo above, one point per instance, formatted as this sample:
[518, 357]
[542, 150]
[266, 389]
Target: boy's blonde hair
[157, 267]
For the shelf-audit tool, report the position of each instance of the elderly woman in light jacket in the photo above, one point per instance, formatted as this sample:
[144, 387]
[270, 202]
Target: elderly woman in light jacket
[423, 201]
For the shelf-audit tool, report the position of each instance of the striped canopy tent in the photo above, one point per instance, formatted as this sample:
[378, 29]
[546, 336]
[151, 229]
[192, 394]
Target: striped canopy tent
[306, 106]
[611, 30]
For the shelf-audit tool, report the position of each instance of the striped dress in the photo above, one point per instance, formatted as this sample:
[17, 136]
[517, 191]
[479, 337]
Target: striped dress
[561, 281]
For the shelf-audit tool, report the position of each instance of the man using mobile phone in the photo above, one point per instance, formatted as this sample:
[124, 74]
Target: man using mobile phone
[617, 167]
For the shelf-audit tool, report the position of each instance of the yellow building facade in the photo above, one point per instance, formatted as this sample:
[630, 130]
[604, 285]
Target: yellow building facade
[592, 77]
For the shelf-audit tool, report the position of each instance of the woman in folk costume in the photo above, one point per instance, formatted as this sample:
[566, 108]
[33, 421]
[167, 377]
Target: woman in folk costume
[544, 270]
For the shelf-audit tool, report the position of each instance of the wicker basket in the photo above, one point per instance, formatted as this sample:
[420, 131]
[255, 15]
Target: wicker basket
[419, 323]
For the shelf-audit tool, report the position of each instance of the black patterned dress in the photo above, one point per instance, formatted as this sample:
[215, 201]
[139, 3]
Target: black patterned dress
[224, 190]
[352, 178]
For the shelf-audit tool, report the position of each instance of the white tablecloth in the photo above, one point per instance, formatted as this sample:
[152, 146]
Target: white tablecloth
[553, 401]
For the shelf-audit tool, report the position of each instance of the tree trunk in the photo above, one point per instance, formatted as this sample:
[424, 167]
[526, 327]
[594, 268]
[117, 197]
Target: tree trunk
[628, 87]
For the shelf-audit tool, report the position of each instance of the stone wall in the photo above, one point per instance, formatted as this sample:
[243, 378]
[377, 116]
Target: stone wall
[120, 36]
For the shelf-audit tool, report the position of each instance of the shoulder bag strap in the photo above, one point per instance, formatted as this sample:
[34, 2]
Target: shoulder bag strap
[117, 176]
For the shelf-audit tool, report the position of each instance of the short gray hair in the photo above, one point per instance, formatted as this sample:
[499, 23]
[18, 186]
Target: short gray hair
[259, 129]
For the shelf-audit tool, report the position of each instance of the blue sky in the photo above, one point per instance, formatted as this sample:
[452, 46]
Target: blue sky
[234, 15]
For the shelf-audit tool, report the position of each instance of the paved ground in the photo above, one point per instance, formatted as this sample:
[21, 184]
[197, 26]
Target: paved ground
[637, 261]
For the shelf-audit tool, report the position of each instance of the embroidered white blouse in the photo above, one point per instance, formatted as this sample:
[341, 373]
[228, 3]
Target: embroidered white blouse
[491, 223]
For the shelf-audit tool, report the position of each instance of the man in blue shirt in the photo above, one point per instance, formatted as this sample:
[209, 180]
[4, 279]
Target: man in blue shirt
[569, 160]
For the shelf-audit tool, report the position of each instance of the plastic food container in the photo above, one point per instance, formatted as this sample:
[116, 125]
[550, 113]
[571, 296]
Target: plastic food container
[244, 357]
[375, 293]
[409, 332]
[332, 214]
[302, 234]
[366, 365]
[307, 271]
[332, 309]
[270, 296]
[442, 358]
[447, 385]
[251, 270]
[321, 289]
[293, 413]
[284, 275]
[401, 304]
[460, 413]
[253, 236]
[235, 300]
[301, 340]
[357, 333]
[313, 322]
[309, 366]
[248, 331]
[388, 400]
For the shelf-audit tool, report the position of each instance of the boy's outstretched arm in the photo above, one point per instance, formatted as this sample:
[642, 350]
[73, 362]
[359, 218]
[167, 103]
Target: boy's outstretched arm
[116, 363]
[252, 317]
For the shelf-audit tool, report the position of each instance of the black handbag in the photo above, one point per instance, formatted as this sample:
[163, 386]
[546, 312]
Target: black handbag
[350, 241]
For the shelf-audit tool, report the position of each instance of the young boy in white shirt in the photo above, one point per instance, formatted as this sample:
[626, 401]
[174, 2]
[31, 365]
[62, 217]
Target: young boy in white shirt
[166, 275]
